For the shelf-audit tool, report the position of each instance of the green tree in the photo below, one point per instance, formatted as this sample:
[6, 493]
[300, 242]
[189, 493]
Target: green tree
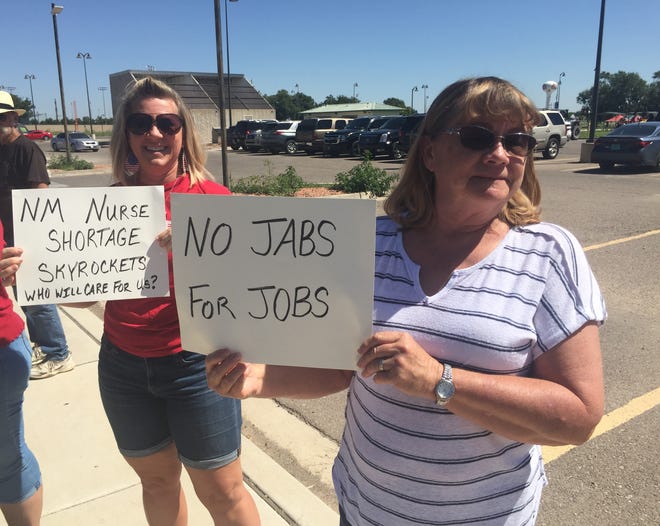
[289, 106]
[653, 94]
[619, 92]
[340, 99]
[25, 104]
[393, 101]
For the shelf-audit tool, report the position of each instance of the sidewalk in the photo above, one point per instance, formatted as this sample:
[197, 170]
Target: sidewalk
[87, 482]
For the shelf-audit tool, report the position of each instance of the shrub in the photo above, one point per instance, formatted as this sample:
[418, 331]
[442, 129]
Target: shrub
[283, 184]
[365, 177]
[59, 162]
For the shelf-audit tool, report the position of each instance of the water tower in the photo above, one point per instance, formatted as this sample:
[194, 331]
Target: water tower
[549, 87]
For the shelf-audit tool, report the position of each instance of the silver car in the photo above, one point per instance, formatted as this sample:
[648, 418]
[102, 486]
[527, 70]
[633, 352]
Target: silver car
[79, 142]
[635, 144]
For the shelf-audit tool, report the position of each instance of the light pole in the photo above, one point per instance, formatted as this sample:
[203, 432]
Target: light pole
[221, 91]
[228, 70]
[355, 85]
[103, 89]
[412, 95]
[425, 87]
[85, 56]
[561, 75]
[56, 10]
[30, 76]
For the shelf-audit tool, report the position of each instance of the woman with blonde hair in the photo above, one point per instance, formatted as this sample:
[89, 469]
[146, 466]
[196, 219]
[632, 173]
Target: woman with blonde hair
[155, 395]
[485, 342]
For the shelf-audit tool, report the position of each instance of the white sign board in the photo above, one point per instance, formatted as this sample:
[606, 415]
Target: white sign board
[284, 281]
[90, 244]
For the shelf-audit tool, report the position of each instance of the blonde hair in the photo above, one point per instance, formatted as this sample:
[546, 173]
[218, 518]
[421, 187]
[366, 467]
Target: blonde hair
[147, 88]
[412, 202]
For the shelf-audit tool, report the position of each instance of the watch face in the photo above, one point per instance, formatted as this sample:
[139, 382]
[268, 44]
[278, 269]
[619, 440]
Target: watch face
[444, 391]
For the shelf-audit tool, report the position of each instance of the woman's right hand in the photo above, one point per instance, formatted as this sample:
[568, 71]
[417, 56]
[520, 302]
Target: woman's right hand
[227, 375]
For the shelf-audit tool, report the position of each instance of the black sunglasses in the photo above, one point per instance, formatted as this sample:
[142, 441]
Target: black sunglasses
[141, 123]
[480, 139]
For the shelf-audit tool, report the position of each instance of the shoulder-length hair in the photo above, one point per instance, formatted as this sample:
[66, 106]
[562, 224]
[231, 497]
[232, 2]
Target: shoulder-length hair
[147, 88]
[412, 202]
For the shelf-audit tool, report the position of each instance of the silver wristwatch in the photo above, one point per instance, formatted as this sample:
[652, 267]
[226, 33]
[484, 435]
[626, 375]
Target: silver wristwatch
[445, 388]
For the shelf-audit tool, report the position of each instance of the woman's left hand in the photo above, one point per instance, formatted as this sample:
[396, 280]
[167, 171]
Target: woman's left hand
[9, 263]
[165, 239]
[396, 358]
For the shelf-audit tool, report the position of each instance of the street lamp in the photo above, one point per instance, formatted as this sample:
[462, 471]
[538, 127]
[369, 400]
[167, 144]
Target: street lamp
[355, 85]
[561, 75]
[56, 10]
[228, 70]
[221, 91]
[412, 95]
[425, 87]
[85, 56]
[30, 76]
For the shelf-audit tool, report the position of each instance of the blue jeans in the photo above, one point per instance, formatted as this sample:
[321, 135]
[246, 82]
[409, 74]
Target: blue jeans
[20, 476]
[152, 402]
[45, 329]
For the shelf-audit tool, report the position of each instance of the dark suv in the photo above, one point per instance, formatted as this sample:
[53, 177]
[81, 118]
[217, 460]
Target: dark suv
[346, 140]
[384, 139]
[237, 139]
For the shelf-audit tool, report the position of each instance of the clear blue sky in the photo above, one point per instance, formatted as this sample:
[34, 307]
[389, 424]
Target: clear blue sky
[385, 46]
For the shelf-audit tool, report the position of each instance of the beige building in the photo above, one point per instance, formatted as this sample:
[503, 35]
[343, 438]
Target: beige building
[200, 93]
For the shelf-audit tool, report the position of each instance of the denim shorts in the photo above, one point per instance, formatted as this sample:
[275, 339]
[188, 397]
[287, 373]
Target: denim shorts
[20, 477]
[152, 402]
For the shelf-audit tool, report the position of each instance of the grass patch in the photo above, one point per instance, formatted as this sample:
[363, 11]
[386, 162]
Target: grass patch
[59, 162]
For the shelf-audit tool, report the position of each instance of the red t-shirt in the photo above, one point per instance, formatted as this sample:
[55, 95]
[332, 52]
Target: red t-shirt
[149, 327]
[11, 324]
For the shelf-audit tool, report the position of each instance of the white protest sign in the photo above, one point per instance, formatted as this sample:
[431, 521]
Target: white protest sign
[90, 244]
[284, 281]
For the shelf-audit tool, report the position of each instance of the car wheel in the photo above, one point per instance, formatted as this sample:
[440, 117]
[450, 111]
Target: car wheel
[657, 164]
[45, 138]
[355, 149]
[576, 133]
[396, 151]
[551, 149]
[291, 147]
[606, 165]
[54, 147]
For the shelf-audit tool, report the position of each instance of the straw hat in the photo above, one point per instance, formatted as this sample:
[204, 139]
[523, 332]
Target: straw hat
[7, 104]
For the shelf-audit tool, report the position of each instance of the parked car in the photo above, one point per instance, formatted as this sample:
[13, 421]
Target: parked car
[384, 139]
[636, 144]
[311, 132]
[253, 136]
[408, 132]
[550, 133]
[38, 135]
[281, 138]
[78, 141]
[237, 140]
[346, 140]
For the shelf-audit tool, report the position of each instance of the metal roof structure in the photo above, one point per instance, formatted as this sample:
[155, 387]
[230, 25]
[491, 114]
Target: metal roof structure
[199, 90]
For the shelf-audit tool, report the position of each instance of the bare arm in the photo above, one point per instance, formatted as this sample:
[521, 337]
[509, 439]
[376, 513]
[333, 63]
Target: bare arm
[561, 404]
[229, 376]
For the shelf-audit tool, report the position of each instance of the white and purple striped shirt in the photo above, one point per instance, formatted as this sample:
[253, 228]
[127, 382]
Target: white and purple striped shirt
[405, 461]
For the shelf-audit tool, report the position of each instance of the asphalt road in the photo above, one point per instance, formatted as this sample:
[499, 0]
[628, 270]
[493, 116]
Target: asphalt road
[614, 477]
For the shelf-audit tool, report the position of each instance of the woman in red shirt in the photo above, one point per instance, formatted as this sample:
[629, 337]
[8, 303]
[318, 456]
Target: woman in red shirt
[154, 393]
[21, 492]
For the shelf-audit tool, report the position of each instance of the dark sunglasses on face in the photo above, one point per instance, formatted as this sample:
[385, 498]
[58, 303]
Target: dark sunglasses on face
[3, 116]
[141, 123]
[480, 139]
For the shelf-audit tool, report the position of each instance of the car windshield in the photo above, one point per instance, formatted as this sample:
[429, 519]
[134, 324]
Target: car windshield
[358, 124]
[78, 135]
[393, 123]
[636, 130]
